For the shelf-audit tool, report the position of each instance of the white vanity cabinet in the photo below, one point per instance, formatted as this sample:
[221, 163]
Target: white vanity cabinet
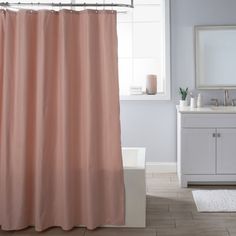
[206, 145]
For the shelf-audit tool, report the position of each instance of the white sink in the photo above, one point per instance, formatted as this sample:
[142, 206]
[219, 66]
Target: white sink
[224, 108]
[208, 109]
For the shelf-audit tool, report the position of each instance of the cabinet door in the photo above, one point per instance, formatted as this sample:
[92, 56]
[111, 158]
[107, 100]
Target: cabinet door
[226, 151]
[198, 151]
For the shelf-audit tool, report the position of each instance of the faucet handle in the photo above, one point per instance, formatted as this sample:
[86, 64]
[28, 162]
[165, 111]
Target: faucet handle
[233, 102]
[215, 100]
[226, 97]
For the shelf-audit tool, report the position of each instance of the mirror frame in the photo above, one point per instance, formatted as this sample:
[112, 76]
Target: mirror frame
[197, 29]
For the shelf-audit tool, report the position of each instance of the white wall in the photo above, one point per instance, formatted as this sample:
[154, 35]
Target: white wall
[152, 124]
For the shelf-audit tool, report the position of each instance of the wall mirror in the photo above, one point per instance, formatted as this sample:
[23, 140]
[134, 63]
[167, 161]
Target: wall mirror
[215, 51]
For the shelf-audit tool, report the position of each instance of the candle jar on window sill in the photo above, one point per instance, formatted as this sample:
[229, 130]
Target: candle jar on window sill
[151, 84]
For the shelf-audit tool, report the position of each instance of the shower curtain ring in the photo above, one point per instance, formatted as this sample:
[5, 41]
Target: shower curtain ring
[112, 10]
[84, 6]
[96, 7]
[71, 7]
[4, 6]
[31, 10]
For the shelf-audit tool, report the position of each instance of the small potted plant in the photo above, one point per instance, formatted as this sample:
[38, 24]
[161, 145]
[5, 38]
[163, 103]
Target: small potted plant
[183, 93]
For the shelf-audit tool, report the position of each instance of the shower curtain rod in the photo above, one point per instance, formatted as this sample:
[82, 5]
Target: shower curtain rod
[9, 4]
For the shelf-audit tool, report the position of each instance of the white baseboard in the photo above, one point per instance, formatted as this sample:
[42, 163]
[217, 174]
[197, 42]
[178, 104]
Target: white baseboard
[161, 167]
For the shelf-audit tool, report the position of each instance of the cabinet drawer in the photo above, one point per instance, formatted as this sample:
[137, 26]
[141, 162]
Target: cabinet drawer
[198, 151]
[208, 120]
[226, 151]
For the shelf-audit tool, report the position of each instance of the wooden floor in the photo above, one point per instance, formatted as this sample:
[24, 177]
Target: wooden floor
[170, 211]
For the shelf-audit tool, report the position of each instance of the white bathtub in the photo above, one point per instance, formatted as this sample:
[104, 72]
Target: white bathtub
[135, 186]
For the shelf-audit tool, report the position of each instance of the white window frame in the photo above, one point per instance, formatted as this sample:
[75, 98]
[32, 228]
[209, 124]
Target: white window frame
[166, 95]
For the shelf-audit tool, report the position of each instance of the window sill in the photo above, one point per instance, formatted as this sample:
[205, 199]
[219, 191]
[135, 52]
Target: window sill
[145, 97]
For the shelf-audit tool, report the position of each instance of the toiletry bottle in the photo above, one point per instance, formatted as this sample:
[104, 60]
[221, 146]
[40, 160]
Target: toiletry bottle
[199, 100]
[193, 102]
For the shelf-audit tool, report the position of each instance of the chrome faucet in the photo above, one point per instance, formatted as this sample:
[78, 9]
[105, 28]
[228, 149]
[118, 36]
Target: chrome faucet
[226, 97]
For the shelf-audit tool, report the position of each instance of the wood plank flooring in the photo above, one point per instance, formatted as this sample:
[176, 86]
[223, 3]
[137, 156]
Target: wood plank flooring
[171, 211]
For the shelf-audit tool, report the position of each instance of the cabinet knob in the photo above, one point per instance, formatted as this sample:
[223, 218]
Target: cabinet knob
[218, 135]
[214, 135]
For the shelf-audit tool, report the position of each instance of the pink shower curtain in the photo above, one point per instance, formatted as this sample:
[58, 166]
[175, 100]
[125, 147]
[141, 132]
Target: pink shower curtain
[60, 157]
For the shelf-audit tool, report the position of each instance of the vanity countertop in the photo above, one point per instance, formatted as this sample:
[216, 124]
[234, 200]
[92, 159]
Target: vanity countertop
[207, 109]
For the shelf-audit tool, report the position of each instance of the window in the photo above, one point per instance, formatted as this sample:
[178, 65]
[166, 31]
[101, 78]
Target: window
[143, 48]
[143, 44]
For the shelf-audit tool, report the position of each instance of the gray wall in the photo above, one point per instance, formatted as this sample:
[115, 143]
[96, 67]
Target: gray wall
[152, 124]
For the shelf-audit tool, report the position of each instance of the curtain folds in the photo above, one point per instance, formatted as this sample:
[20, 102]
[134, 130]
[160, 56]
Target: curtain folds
[60, 150]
